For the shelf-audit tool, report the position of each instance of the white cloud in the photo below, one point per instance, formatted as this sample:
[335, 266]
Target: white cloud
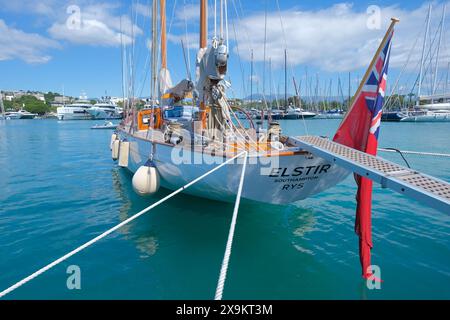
[97, 25]
[101, 24]
[254, 78]
[29, 47]
[333, 39]
[191, 40]
[42, 7]
[143, 9]
[189, 12]
[91, 32]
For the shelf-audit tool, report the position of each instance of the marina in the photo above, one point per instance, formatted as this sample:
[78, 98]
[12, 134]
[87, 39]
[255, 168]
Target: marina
[304, 250]
[196, 181]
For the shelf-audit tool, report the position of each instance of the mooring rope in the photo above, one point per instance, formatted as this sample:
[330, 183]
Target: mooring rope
[433, 154]
[106, 233]
[399, 152]
[226, 257]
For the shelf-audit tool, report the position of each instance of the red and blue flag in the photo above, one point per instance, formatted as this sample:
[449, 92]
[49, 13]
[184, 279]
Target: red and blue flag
[359, 130]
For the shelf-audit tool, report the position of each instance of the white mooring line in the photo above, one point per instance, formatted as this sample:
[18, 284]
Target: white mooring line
[137, 215]
[226, 257]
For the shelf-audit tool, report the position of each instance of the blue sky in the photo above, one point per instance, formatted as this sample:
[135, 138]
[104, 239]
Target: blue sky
[327, 39]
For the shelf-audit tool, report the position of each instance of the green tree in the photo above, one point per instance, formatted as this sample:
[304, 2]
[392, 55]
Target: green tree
[31, 104]
[50, 97]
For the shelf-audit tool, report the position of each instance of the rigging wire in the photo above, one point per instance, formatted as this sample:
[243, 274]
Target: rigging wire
[240, 60]
[188, 63]
[290, 64]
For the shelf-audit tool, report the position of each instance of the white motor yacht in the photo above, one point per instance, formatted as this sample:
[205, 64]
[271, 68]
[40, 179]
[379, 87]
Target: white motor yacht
[106, 109]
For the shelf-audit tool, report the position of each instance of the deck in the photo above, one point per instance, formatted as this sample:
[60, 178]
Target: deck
[421, 187]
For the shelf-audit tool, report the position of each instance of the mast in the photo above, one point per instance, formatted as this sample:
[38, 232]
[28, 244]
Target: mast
[349, 91]
[251, 79]
[307, 93]
[446, 79]
[203, 23]
[154, 52]
[340, 92]
[285, 80]
[270, 81]
[438, 49]
[163, 34]
[419, 88]
[2, 107]
[265, 44]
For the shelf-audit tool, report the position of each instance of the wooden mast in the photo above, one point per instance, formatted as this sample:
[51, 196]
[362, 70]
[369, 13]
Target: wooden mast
[203, 44]
[163, 34]
[154, 51]
[203, 23]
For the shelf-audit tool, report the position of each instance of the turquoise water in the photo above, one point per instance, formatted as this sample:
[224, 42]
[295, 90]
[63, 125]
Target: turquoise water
[60, 188]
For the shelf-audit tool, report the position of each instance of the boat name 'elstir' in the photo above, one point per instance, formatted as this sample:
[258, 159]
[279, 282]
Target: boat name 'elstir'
[283, 172]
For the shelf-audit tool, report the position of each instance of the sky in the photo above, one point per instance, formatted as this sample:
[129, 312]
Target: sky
[78, 46]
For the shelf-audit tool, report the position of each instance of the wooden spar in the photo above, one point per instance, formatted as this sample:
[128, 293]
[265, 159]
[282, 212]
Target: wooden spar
[154, 51]
[203, 44]
[372, 64]
[203, 23]
[163, 34]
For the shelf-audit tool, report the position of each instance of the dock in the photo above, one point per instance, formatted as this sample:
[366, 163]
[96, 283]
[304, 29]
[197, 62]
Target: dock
[421, 187]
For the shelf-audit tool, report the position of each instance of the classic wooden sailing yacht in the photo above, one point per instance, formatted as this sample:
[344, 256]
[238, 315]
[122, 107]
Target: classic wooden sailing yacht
[167, 152]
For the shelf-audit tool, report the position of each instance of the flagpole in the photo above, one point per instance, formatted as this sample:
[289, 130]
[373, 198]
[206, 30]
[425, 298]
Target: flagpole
[372, 63]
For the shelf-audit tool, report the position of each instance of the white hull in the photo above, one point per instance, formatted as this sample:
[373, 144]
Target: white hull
[102, 114]
[295, 177]
[436, 106]
[22, 114]
[299, 115]
[329, 116]
[12, 116]
[69, 113]
[430, 117]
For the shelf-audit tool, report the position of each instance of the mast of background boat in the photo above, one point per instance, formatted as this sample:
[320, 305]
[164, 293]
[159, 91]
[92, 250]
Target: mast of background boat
[419, 88]
[433, 91]
[251, 79]
[349, 91]
[446, 79]
[2, 107]
[264, 58]
[124, 105]
[285, 81]
[270, 83]
[163, 35]
[341, 90]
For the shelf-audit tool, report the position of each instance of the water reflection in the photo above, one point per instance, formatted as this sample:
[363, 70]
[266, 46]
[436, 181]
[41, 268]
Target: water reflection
[301, 222]
[139, 233]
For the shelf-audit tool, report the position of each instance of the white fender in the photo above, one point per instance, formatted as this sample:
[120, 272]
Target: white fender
[115, 149]
[146, 180]
[113, 138]
[124, 152]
